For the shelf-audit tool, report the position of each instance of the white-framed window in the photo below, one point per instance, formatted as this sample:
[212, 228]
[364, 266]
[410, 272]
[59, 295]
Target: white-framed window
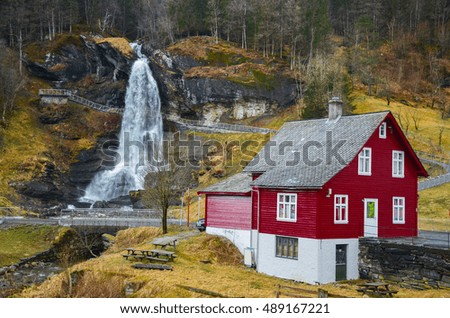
[382, 131]
[398, 210]
[287, 207]
[341, 209]
[398, 164]
[286, 247]
[365, 162]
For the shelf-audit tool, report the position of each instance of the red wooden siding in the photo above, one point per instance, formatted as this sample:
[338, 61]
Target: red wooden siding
[380, 185]
[305, 226]
[229, 212]
[255, 201]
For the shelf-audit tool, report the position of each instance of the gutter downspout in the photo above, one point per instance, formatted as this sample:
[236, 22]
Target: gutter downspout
[257, 227]
[257, 230]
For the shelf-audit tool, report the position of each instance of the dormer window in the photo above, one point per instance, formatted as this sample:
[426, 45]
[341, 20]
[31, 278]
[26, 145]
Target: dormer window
[365, 162]
[382, 131]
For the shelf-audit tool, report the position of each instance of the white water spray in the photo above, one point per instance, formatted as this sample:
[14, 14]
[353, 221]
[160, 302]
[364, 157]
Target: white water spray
[140, 137]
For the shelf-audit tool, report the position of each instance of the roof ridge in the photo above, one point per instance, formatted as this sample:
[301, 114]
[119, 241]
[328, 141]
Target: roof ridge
[343, 116]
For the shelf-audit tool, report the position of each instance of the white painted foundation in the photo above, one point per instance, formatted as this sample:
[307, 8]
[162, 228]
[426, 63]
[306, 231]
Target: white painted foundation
[240, 238]
[316, 260]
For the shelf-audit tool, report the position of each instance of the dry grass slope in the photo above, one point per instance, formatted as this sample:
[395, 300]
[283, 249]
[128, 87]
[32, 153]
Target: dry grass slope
[25, 241]
[110, 275]
[121, 44]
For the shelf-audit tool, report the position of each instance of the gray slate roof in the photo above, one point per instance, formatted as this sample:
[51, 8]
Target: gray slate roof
[285, 163]
[239, 183]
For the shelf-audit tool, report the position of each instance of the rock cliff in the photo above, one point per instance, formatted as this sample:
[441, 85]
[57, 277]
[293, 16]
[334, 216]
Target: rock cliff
[216, 82]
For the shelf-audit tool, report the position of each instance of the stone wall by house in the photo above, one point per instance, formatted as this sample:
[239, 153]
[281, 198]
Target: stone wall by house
[409, 266]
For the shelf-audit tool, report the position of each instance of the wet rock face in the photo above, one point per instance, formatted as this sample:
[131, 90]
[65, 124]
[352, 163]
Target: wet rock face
[214, 99]
[97, 71]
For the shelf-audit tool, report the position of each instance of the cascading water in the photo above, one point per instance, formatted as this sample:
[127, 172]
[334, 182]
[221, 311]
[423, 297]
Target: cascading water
[140, 137]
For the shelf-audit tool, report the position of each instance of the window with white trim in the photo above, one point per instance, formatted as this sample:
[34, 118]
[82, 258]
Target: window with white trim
[340, 209]
[398, 164]
[398, 210]
[365, 162]
[382, 131]
[287, 207]
[286, 247]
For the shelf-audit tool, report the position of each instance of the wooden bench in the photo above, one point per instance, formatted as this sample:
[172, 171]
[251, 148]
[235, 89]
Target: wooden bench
[162, 254]
[157, 259]
[126, 256]
[152, 266]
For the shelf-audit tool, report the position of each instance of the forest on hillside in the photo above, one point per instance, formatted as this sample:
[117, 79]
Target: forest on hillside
[283, 27]
[271, 26]
[380, 33]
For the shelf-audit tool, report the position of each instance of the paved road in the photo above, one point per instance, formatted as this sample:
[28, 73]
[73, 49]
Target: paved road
[425, 238]
[86, 221]
[433, 239]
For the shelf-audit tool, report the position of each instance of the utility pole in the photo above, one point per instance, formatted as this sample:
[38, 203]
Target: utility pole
[188, 206]
[198, 202]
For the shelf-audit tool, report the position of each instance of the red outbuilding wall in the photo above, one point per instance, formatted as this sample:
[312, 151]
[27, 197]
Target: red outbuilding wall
[229, 212]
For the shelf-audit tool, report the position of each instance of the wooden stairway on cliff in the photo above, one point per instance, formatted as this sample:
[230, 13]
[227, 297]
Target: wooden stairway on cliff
[50, 94]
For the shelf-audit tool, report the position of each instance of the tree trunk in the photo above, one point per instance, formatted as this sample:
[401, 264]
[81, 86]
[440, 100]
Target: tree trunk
[311, 44]
[4, 113]
[53, 25]
[20, 52]
[164, 220]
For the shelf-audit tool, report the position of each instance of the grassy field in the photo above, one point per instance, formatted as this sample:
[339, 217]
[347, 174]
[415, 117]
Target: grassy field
[429, 123]
[434, 208]
[24, 241]
[203, 261]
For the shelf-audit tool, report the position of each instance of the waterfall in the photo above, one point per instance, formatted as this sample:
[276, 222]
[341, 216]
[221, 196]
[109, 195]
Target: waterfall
[140, 137]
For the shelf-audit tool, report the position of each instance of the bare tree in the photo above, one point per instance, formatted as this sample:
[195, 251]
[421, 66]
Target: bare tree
[215, 12]
[323, 77]
[415, 116]
[164, 185]
[239, 11]
[11, 81]
[441, 132]
[403, 120]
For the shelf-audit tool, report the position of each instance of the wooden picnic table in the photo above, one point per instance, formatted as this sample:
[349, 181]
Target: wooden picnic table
[379, 289]
[164, 242]
[151, 255]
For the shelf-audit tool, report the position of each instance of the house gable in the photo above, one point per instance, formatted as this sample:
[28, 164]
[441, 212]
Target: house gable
[380, 185]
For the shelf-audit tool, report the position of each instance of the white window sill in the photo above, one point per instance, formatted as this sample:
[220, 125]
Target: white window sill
[364, 173]
[340, 222]
[286, 220]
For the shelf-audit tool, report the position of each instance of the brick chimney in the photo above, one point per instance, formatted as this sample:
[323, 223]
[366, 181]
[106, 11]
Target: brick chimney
[334, 108]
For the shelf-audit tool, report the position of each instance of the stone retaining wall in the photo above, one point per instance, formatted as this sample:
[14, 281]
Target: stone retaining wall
[409, 266]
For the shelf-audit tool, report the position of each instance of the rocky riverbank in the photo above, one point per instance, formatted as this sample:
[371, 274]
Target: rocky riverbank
[70, 247]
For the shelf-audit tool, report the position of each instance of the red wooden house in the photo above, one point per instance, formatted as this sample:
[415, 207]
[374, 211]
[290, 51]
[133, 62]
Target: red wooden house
[317, 186]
